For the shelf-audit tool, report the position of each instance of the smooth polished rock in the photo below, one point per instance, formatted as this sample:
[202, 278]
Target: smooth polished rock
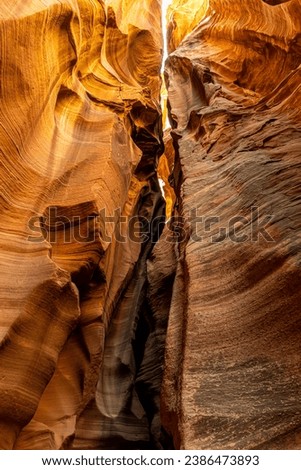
[80, 139]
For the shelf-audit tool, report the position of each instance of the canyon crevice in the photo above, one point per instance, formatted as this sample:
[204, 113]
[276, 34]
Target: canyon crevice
[150, 279]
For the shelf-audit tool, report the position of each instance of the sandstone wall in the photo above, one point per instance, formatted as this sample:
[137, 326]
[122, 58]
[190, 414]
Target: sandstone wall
[99, 297]
[80, 139]
[232, 377]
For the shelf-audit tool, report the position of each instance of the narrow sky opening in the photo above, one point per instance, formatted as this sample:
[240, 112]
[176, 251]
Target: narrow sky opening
[165, 4]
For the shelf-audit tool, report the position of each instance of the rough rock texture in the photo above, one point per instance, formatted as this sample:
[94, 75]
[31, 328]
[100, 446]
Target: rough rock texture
[80, 139]
[98, 296]
[232, 365]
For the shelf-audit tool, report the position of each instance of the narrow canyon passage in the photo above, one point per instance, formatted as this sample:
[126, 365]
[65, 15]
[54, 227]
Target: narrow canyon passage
[130, 320]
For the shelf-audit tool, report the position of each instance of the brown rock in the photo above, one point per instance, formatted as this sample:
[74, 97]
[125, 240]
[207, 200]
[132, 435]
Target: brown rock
[232, 376]
[99, 300]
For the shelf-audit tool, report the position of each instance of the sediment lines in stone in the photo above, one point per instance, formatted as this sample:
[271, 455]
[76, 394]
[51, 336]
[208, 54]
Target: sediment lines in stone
[93, 308]
[233, 81]
[80, 133]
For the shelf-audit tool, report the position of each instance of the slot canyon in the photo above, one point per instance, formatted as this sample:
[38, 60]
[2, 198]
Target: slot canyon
[150, 226]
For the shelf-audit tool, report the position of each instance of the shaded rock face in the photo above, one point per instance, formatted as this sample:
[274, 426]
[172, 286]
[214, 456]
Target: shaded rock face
[118, 330]
[232, 377]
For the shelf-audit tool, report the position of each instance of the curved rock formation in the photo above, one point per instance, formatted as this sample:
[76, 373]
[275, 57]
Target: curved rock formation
[80, 139]
[232, 376]
[99, 297]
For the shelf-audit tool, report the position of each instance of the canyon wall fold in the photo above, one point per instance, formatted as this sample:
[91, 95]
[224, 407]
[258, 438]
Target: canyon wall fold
[232, 363]
[129, 320]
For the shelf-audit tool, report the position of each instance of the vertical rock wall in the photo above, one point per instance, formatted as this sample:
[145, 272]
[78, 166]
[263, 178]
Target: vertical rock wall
[97, 296]
[232, 373]
[80, 139]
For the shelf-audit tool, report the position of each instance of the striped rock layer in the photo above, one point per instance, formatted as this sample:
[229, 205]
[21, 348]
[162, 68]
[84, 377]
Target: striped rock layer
[118, 330]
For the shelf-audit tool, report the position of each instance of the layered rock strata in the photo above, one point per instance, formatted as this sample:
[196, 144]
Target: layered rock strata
[98, 295]
[232, 377]
[80, 140]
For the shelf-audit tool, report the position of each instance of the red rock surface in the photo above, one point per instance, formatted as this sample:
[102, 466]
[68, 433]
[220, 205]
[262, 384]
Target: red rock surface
[232, 377]
[96, 305]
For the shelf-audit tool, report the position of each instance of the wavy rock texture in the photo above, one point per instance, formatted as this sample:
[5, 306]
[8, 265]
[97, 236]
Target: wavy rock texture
[232, 363]
[80, 139]
[95, 302]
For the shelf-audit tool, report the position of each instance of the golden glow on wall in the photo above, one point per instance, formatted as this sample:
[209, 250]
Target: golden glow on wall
[187, 14]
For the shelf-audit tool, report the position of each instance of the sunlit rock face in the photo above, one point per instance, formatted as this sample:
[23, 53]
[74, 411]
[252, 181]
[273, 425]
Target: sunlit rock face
[98, 295]
[232, 372]
[80, 139]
